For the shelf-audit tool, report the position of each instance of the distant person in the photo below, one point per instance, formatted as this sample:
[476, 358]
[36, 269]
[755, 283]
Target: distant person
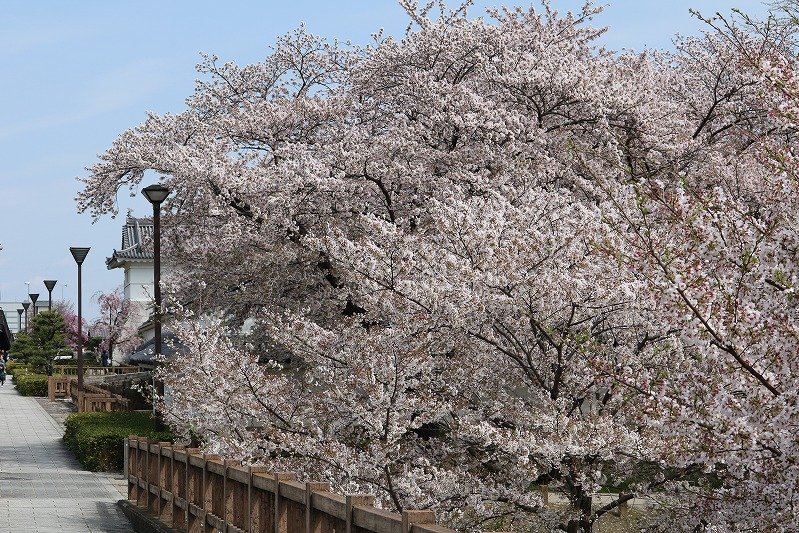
[2, 373]
[104, 359]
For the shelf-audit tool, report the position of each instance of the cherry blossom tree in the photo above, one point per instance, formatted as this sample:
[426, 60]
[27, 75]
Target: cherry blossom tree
[116, 324]
[67, 311]
[485, 257]
[716, 242]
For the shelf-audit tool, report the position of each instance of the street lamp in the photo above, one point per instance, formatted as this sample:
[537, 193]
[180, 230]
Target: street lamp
[19, 320]
[156, 194]
[50, 284]
[25, 306]
[34, 297]
[79, 254]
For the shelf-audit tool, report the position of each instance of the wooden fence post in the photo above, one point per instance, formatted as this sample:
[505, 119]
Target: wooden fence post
[281, 509]
[311, 523]
[125, 455]
[130, 467]
[153, 471]
[229, 491]
[165, 481]
[178, 481]
[355, 499]
[194, 493]
[208, 488]
[155, 499]
[256, 521]
[144, 466]
[409, 518]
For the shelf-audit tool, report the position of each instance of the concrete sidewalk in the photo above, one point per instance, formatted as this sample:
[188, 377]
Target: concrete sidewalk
[42, 487]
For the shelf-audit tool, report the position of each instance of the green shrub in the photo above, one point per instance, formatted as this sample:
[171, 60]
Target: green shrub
[31, 384]
[96, 439]
[16, 367]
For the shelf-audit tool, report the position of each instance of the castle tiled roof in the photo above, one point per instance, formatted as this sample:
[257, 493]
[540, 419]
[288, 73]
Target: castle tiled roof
[137, 238]
[145, 352]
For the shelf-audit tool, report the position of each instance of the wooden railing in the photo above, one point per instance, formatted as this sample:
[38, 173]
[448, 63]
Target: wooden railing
[91, 400]
[199, 492]
[72, 370]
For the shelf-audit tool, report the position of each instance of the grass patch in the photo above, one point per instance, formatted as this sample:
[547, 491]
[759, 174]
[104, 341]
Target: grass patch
[97, 439]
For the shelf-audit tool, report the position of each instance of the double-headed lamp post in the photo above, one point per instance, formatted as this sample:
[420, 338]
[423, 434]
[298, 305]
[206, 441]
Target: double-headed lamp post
[79, 254]
[156, 194]
[50, 284]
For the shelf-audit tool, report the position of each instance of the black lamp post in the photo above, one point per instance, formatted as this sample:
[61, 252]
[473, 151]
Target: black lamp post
[156, 194]
[34, 297]
[19, 320]
[79, 254]
[50, 284]
[25, 306]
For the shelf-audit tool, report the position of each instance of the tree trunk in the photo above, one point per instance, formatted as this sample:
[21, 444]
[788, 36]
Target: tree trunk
[584, 523]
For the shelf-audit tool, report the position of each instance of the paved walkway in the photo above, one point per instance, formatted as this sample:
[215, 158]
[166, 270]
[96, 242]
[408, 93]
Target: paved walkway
[42, 487]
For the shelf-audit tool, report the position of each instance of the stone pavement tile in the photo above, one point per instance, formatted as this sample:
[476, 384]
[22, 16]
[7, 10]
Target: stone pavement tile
[42, 487]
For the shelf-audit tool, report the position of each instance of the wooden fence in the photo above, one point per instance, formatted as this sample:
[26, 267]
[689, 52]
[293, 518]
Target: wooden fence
[72, 370]
[91, 400]
[204, 493]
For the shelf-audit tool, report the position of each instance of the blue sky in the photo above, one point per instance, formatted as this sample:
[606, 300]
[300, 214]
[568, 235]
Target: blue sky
[76, 74]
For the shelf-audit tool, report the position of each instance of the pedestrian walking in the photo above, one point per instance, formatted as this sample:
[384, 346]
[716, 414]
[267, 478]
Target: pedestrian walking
[2, 373]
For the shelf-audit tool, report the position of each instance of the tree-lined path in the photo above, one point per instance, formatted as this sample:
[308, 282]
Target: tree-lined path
[42, 487]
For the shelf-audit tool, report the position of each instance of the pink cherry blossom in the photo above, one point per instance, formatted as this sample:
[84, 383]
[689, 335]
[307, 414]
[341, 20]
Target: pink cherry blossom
[487, 256]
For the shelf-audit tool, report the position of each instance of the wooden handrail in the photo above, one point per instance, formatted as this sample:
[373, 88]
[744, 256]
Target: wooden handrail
[70, 370]
[194, 491]
[93, 399]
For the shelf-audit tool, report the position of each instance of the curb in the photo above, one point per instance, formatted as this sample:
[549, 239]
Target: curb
[141, 520]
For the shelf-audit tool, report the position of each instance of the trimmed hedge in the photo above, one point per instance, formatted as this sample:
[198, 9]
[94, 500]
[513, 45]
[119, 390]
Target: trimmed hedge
[31, 384]
[14, 367]
[96, 439]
